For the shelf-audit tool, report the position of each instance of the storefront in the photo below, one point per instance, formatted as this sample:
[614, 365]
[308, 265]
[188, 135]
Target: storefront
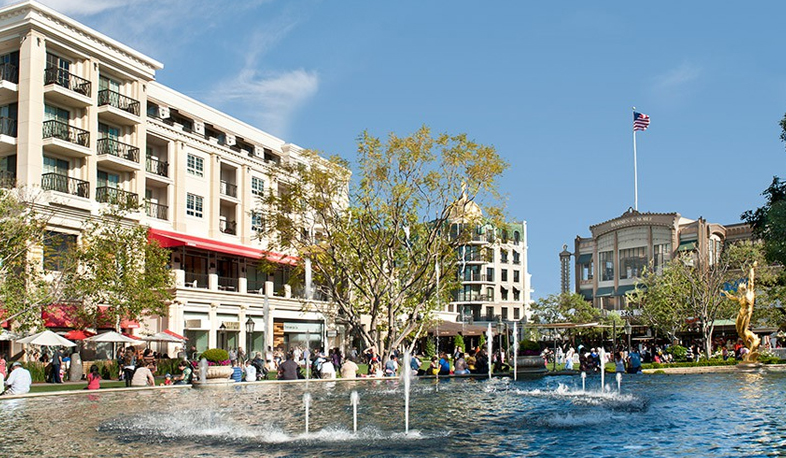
[197, 330]
[301, 333]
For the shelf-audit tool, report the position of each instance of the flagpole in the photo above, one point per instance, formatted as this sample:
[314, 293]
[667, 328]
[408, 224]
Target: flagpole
[635, 173]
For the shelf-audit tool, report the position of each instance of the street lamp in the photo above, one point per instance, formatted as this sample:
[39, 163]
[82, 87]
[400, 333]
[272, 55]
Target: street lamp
[628, 331]
[222, 340]
[249, 334]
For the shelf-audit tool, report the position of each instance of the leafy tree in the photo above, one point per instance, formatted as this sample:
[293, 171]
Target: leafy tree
[569, 308]
[458, 342]
[661, 301]
[769, 221]
[119, 268]
[380, 248]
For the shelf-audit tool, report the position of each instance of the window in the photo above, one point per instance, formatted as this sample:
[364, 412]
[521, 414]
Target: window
[632, 262]
[193, 205]
[504, 314]
[516, 276]
[503, 293]
[516, 294]
[606, 265]
[52, 112]
[489, 274]
[106, 179]
[195, 165]
[107, 83]
[489, 294]
[504, 274]
[503, 256]
[107, 131]
[54, 165]
[257, 186]
[516, 237]
[586, 271]
[516, 313]
[489, 313]
[56, 248]
[516, 257]
[662, 256]
[256, 222]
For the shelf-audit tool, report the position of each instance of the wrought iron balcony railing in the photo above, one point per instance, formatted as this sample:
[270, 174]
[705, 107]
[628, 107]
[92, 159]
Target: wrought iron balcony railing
[118, 149]
[65, 184]
[8, 126]
[110, 195]
[118, 100]
[228, 227]
[157, 211]
[157, 166]
[64, 131]
[66, 79]
[7, 179]
[228, 189]
[9, 72]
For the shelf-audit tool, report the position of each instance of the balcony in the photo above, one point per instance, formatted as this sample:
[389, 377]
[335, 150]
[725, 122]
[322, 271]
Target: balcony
[118, 155]
[196, 280]
[110, 195]
[60, 137]
[9, 78]
[157, 211]
[228, 189]
[7, 135]
[117, 108]
[473, 277]
[65, 184]
[156, 166]
[471, 297]
[228, 227]
[7, 179]
[66, 88]
[228, 283]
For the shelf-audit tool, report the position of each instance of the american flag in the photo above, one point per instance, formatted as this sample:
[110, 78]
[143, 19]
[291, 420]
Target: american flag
[640, 121]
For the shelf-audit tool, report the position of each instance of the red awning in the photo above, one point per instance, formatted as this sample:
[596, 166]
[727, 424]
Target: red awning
[174, 334]
[65, 316]
[6, 323]
[169, 239]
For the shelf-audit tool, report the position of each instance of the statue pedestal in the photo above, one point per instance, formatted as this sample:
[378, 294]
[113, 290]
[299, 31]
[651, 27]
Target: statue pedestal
[749, 366]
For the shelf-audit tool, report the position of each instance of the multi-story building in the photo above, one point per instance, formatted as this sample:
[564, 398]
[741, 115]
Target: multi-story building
[83, 119]
[609, 263]
[492, 269]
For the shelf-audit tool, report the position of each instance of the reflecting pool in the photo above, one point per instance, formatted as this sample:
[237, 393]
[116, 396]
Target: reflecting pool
[724, 414]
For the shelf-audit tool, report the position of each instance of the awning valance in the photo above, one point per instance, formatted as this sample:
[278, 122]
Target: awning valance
[169, 239]
[585, 258]
[687, 246]
[604, 291]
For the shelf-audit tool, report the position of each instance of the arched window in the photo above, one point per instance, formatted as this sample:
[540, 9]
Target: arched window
[516, 237]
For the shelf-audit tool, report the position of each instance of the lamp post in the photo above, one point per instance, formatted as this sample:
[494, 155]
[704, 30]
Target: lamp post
[222, 336]
[249, 335]
[628, 331]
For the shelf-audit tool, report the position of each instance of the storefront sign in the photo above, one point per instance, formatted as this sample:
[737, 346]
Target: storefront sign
[332, 333]
[314, 328]
[231, 325]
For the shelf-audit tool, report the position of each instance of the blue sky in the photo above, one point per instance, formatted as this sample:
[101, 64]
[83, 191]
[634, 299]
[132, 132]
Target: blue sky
[550, 85]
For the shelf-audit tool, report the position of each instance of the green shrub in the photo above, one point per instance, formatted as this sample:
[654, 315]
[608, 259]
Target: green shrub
[458, 342]
[431, 348]
[678, 352]
[701, 363]
[216, 356]
[528, 347]
[167, 366]
[37, 370]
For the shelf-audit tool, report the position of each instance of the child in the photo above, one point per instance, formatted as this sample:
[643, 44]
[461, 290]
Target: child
[93, 378]
[167, 380]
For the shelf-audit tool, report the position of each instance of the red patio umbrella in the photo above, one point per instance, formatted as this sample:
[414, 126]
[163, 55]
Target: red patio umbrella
[78, 334]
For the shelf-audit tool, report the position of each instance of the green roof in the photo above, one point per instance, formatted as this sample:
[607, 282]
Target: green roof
[585, 258]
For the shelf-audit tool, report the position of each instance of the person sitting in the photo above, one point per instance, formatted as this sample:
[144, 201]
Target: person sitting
[186, 374]
[251, 372]
[349, 369]
[634, 362]
[460, 367]
[433, 368]
[289, 369]
[415, 364]
[327, 371]
[237, 371]
[391, 367]
[167, 380]
[143, 376]
[260, 366]
[444, 365]
[18, 381]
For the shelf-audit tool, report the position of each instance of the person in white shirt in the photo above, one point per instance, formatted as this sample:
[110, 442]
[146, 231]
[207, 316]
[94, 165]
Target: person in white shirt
[251, 372]
[19, 380]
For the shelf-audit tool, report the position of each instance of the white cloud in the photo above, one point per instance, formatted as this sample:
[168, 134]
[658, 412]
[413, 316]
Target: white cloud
[269, 99]
[679, 77]
[79, 7]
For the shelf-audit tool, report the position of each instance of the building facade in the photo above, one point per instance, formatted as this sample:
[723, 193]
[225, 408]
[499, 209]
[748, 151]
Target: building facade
[493, 272]
[609, 263]
[83, 120]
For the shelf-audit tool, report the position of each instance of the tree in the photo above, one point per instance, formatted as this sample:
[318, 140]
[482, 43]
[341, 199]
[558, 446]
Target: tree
[122, 274]
[381, 248]
[24, 286]
[768, 222]
[568, 308]
[661, 301]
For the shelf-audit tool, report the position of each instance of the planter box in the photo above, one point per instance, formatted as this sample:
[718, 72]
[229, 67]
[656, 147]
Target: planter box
[218, 372]
[530, 365]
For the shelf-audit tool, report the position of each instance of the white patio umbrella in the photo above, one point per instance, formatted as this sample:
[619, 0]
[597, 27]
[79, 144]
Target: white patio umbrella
[47, 338]
[5, 335]
[162, 337]
[111, 337]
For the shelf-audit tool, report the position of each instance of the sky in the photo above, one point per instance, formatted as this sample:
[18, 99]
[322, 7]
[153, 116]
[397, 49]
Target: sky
[550, 85]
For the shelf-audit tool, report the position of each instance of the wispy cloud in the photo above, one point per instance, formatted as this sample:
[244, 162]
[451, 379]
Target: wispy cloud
[77, 7]
[679, 77]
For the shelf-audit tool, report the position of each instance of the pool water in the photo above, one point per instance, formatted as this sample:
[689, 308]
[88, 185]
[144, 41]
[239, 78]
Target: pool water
[724, 414]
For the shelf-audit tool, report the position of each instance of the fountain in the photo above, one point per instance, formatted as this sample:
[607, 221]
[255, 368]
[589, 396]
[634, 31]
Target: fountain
[249, 420]
[307, 405]
[353, 398]
[619, 382]
[515, 352]
[602, 356]
[583, 381]
[406, 376]
[488, 342]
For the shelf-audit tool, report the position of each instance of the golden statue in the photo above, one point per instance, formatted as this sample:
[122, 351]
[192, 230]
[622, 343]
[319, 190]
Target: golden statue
[746, 295]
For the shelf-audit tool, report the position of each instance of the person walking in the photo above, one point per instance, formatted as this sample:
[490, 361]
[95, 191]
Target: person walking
[57, 361]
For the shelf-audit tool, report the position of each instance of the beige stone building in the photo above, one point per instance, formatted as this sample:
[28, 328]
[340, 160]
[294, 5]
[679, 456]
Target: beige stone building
[83, 120]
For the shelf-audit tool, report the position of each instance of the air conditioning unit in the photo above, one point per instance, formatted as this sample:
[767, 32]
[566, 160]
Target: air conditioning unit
[230, 140]
[199, 127]
[163, 112]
